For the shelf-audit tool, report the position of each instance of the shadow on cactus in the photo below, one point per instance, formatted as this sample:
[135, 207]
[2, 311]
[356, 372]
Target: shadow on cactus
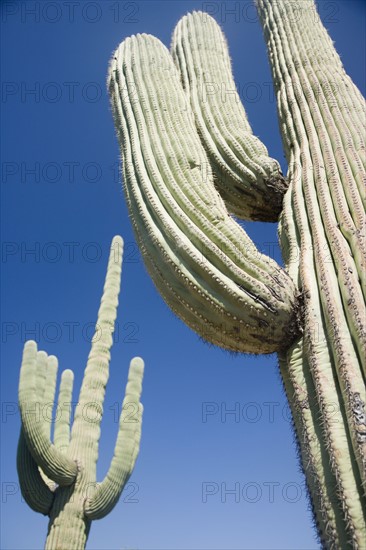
[59, 479]
[190, 161]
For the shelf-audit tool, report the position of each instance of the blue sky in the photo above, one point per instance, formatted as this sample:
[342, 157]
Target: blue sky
[202, 481]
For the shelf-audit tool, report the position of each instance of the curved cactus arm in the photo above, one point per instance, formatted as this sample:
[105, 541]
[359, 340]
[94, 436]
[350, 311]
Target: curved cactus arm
[35, 491]
[201, 260]
[250, 182]
[323, 142]
[56, 466]
[63, 412]
[126, 450]
[85, 433]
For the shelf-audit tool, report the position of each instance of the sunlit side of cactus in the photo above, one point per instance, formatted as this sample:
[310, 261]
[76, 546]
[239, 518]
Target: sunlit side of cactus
[190, 160]
[58, 478]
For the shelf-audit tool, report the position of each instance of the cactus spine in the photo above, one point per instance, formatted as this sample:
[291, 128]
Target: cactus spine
[179, 143]
[59, 479]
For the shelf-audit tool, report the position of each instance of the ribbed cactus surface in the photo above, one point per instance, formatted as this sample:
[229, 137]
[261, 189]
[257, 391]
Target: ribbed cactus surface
[58, 478]
[190, 159]
[324, 220]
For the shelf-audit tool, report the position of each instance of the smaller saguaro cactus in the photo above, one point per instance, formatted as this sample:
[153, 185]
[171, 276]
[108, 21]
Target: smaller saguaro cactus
[59, 479]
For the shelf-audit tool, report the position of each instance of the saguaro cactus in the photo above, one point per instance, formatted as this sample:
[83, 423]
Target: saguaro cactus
[189, 160]
[59, 479]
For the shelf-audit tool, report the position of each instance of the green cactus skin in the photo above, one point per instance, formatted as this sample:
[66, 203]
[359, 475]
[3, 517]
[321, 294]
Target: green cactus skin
[177, 214]
[59, 479]
[249, 181]
[201, 260]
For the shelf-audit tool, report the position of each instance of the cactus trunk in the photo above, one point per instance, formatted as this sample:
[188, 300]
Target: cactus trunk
[323, 217]
[68, 527]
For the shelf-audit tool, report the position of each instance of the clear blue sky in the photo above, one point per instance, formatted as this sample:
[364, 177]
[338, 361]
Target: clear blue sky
[66, 211]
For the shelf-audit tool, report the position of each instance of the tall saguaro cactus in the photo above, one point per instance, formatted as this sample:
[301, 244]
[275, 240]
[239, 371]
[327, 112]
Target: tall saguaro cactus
[59, 479]
[189, 160]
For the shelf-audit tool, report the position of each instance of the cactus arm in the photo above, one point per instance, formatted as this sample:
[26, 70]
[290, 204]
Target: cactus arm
[85, 433]
[45, 384]
[35, 491]
[300, 51]
[126, 450]
[209, 264]
[249, 181]
[46, 375]
[63, 414]
[41, 370]
[57, 467]
[45, 367]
